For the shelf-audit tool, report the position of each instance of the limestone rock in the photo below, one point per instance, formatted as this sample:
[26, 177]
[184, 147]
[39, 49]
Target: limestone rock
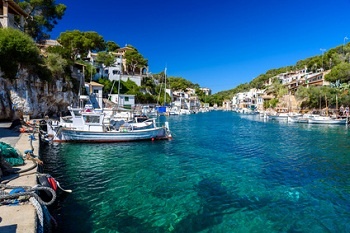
[29, 95]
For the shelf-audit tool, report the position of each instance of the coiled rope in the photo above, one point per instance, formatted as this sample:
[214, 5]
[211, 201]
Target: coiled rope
[29, 191]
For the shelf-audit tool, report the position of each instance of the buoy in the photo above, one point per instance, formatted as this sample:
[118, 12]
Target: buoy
[152, 139]
[22, 130]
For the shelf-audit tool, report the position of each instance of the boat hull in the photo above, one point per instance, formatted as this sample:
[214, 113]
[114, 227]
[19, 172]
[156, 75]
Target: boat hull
[298, 119]
[71, 135]
[328, 121]
[278, 117]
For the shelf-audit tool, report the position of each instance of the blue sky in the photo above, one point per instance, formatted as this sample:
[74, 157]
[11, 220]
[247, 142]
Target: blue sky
[217, 44]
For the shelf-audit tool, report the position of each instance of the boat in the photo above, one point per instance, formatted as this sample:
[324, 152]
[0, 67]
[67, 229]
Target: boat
[184, 111]
[328, 120]
[298, 119]
[89, 126]
[278, 117]
[283, 114]
[174, 111]
[149, 111]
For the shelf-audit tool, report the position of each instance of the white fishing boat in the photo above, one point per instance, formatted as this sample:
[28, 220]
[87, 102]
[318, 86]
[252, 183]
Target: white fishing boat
[328, 120]
[89, 126]
[278, 117]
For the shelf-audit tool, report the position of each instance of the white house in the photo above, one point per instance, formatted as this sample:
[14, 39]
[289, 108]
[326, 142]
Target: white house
[251, 99]
[125, 101]
[115, 72]
[206, 90]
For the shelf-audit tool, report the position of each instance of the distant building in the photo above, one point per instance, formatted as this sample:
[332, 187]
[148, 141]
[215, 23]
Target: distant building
[206, 91]
[43, 45]
[252, 99]
[227, 105]
[317, 79]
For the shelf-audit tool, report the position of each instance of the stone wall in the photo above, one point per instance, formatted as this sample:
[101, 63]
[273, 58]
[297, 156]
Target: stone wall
[29, 95]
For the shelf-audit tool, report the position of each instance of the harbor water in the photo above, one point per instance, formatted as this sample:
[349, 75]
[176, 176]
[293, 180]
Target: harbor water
[222, 172]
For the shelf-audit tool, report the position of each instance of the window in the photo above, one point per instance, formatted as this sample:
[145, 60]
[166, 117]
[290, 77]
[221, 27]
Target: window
[92, 119]
[106, 71]
[95, 91]
[126, 98]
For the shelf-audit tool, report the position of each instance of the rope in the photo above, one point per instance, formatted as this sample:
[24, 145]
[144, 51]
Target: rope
[39, 213]
[5, 181]
[29, 192]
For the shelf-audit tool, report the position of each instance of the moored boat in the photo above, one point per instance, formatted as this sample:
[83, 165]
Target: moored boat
[328, 120]
[298, 119]
[90, 127]
[278, 117]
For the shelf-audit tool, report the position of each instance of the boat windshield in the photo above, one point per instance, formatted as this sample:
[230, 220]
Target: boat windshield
[92, 119]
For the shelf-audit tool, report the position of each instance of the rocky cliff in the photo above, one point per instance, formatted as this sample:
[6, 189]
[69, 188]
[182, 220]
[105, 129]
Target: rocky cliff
[28, 95]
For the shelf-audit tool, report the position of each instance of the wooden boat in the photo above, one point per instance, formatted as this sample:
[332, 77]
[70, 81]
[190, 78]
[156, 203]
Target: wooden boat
[89, 126]
[327, 120]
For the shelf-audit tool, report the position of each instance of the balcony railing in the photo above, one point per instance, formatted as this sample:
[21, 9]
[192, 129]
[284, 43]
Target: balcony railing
[10, 23]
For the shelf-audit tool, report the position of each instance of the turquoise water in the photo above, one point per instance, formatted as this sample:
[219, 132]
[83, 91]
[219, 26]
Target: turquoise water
[222, 172]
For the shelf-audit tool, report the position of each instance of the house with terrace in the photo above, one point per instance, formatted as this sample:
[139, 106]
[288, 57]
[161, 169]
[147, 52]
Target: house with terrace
[118, 70]
[248, 101]
[317, 79]
[12, 15]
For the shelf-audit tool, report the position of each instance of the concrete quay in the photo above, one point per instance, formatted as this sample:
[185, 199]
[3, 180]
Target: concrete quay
[19, 218]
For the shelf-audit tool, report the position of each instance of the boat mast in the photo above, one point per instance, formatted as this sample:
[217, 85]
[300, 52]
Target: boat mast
[325, 97]
[164, 86]
[336, 105]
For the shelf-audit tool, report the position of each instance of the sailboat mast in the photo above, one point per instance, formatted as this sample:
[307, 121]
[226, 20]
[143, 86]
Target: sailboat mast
[336, 104]
[164, 86]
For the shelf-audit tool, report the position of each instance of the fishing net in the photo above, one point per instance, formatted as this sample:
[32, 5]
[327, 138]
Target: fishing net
[10, 155]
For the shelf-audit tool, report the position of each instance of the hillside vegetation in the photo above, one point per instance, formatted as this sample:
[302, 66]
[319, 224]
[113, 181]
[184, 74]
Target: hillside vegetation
[336, 59]
[55, 63]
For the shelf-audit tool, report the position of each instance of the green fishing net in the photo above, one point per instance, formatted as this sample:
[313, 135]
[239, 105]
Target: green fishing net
[10, 154]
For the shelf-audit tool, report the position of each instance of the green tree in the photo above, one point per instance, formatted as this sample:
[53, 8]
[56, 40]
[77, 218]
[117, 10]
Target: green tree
[62, 51]
[178, 83]
[17, 50]
[44, 15]
[111, 46]
[340, 72]
[148, 85]
[80, 43]
[273, 103]
[108, 85]
[131, 87]
[105, 58]
[278, 89]
[134, 61]
[56, 64]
